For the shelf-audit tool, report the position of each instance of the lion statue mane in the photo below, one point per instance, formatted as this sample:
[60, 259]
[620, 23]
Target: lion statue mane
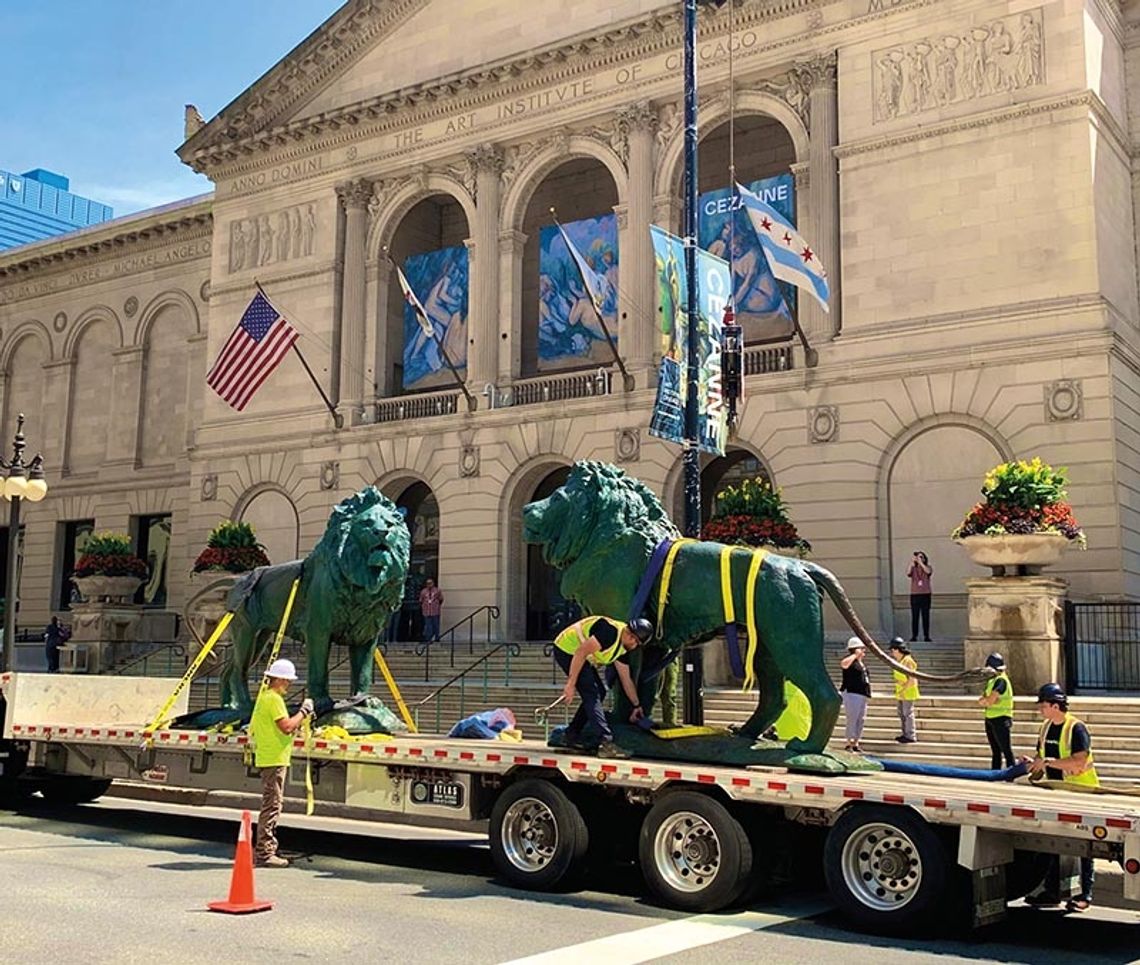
[600, 529]
[351, 583]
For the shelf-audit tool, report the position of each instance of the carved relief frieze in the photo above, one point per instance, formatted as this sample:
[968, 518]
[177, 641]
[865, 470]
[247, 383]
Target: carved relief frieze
[269, 239]
[1064, 401]
[330, 475]
[823, 424]
[1001, 55]
[627, 445]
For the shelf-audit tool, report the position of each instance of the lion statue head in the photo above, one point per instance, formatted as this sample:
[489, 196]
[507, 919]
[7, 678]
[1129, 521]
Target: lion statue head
[597, 507]
[367, 542]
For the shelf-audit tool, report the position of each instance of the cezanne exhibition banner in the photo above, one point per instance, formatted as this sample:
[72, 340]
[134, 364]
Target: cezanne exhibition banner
[569, 333]
[439, 279]
[668, 421]
[763, 305]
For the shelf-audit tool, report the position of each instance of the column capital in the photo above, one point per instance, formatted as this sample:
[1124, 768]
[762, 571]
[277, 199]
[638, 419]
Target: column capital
[639, 116]
[512, 241]
[801, 171]
[817, 72]
[355, 194]
[486, 158]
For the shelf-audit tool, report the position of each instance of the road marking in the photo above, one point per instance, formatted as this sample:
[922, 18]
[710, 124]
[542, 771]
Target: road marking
[657, 941]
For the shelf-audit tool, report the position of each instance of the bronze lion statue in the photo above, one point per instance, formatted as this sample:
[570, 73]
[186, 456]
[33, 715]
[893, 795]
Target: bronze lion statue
[600, 529]
[351, 583]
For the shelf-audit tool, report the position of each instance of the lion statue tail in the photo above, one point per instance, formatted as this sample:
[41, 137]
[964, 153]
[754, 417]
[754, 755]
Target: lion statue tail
[827, 581]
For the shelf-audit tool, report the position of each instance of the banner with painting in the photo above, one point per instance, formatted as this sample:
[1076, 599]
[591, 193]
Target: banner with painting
[569, 333]
[764, 305]
[668, 420]
[439, 279]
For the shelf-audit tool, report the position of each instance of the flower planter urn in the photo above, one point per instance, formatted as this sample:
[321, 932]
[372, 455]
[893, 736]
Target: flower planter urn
[1015, 554]
[108, 589]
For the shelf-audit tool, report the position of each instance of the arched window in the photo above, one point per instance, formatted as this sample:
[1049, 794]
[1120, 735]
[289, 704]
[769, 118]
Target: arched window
[421, 513]
[274, 519]
[547, 611]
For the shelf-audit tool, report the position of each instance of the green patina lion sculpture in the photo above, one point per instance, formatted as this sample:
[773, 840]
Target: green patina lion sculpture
[600, 529]
[351, 583]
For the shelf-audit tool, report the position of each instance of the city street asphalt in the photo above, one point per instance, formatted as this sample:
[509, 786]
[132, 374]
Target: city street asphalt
[127, 882]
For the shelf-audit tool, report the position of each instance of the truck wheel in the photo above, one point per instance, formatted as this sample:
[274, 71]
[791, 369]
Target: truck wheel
[538, 837]
[694, 854]
[74, 790]
[886, 868]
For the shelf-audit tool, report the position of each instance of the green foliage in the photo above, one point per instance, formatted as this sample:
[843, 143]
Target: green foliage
[1025, 485]
[108, 544]
[753, 497]
[232, 535]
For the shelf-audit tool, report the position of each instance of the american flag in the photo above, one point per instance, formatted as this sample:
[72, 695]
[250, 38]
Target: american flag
[251, 353]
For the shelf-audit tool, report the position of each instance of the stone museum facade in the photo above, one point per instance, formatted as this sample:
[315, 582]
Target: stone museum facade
[964, 169]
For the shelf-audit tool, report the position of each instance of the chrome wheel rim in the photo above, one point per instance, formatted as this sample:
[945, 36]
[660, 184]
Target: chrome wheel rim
[881, 867]
[687, 852]
[529, 834]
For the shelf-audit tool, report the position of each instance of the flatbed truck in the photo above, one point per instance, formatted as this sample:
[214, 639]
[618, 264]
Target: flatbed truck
[899, 852]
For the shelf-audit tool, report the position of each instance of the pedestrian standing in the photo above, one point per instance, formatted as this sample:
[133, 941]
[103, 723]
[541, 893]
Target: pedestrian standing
[919, 572]
[271, 729]
[906, 691]
[55, 634]
[856, 690]
[997, 700]
[431, 603]
[1064, 753]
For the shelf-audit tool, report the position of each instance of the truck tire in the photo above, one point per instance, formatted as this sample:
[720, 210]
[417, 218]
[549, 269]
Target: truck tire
[74, 790]
[886, 868]
[694, 854]
[538, 837]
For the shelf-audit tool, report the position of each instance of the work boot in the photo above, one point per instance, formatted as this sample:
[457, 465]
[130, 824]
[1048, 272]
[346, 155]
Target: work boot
[611, 750]
[273, 861]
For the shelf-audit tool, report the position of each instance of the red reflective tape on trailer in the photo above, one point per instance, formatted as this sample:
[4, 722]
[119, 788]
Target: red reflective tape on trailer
[519, 759]
[549, 762]
[1023, 813]
[203, 738]
[494, 758]
[466, 756]
[416, 751]
[609, 768]
[640, 772]
[80, 730]
[129, 733]
[934, 802]
[777, 786]
[319, 745]
[893, 799]
[95, 732]
[577, 765]
[365, 748]
[391, 749]
[112, 733]
[1118, 823]
[184, 737]
[440, 753]
[741, 782]
[342, 747]
[1070, 818]
[978, 808]
[243, 739]
[17, 728]
[814, 789]
[32, 729]
[706, 778]
[673, 775]
[853, 794]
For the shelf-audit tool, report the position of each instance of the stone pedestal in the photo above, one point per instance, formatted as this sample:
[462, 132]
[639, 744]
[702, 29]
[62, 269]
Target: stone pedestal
[102, 635]
[1023, 618]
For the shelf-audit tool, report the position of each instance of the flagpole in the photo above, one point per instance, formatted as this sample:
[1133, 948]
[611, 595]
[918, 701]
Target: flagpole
[626, 379]
[338, 419]
[471, 404]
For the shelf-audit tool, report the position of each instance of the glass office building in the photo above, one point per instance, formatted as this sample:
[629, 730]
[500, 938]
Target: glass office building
[37, 205]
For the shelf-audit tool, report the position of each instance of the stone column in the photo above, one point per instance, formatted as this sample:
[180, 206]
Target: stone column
[126, 396]
[817, 77]
[485, 168]
[57, 406]
[354, 195]
[387, 349]
[511, 245]
[637, 311]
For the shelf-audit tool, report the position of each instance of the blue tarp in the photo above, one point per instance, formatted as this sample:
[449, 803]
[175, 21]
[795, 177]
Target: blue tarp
[962, 773]
[484, 726]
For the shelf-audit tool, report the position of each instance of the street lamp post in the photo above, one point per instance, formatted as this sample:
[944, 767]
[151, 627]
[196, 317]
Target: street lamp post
[20, 482]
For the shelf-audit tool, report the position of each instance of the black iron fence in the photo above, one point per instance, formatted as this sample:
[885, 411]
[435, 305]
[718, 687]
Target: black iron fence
[1102, 647]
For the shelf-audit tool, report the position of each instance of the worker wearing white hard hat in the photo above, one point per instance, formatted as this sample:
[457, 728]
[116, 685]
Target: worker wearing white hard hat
[271, 729]
[856, 691]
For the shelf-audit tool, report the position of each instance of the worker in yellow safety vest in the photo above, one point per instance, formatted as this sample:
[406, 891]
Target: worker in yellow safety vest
[997, 702]
[906, 691]
[581, 648]
[1064, 753]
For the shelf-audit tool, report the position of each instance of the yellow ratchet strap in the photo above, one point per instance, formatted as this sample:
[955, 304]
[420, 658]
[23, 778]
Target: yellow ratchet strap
[666, 576]
[750, 603]
[726, 585]
[307, 736]
[160, 718]
[396, 695]
[280, 635]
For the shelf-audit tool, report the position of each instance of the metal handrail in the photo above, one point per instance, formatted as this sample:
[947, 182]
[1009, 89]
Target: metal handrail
[512, 649]
[423, 649]
[171, 650]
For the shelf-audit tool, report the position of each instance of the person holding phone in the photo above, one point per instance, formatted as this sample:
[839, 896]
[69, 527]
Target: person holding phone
[919, 572]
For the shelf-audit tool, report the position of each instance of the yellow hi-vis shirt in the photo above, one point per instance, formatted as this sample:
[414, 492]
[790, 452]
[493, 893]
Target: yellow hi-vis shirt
[903, 690]
[271, 748]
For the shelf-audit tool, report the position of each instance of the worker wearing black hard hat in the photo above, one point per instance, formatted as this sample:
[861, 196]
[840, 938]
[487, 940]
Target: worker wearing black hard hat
[1064, 753]
[997, 701]
[579, 649]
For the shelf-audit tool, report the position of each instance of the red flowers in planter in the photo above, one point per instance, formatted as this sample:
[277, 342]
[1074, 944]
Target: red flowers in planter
[117, 565]
[754, 514]
[1021, 498]
[232, 559]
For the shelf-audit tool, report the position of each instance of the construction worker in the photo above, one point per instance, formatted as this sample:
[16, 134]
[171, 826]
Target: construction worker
[856, 691]
[906, 691]
[997, 700]
[1064, 753]
[579, 649]
[271, 729]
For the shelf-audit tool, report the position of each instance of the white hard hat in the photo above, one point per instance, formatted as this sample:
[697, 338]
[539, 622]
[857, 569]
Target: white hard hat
[855, 644]
[282, 670]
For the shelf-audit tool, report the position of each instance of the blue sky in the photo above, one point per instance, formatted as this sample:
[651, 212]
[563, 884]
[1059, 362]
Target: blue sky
[95, 89]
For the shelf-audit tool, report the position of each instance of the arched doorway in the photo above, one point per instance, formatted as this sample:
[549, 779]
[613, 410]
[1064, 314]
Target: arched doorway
[274, 520]
[421, 513]
[717, 474]
[547, 611]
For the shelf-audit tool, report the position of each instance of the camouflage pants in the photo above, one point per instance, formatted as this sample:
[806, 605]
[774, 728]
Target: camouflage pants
[272, 795]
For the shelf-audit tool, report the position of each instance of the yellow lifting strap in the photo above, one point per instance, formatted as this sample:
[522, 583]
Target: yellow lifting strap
[307, 737]
[750, 603]
[160, 718]
[396, 696]
[726, 585]
[280, 635]
[666, 576]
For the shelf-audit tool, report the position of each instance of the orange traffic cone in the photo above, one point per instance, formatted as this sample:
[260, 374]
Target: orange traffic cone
[242, 900]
